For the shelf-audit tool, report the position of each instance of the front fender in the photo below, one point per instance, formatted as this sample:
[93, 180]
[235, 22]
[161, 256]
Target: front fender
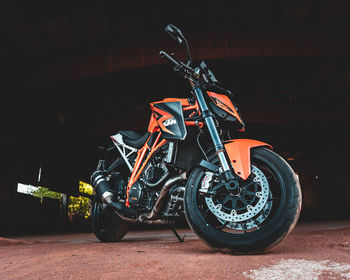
[238, 151]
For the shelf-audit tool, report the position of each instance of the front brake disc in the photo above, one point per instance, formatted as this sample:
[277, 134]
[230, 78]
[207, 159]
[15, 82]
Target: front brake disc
[250, 210]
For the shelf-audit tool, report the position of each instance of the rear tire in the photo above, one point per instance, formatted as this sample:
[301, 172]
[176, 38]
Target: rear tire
[106, 225]
[273, 223]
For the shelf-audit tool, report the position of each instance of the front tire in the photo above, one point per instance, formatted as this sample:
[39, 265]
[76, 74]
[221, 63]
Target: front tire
[255, 220]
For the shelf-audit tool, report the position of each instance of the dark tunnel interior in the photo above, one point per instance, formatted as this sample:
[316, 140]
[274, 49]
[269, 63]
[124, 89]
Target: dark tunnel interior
[295, 98]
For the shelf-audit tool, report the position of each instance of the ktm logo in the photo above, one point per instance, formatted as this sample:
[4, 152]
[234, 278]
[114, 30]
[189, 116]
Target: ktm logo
[163, 117]
[169, 122]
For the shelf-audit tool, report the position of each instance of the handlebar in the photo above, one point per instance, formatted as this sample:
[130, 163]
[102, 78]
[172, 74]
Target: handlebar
[179, 65]
[163, 54]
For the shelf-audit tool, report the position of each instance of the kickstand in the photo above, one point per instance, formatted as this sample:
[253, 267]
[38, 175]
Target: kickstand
[181, 239]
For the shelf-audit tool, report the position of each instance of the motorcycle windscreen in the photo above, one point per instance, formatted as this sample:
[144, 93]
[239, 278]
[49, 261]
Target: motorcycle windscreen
[170, 119]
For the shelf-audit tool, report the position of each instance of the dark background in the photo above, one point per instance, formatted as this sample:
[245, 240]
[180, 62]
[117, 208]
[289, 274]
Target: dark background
[76, 72]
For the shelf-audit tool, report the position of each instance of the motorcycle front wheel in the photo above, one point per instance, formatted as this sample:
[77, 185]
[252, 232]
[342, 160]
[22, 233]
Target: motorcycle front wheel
[252, 220]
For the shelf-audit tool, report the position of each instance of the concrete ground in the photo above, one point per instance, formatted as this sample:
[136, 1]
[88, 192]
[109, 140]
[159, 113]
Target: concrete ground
[312, 251]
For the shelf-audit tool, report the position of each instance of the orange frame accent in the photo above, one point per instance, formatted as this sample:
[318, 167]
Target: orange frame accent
[137, 170]
[152, 128]
[153, 125]
[192, 123]
[192, 107]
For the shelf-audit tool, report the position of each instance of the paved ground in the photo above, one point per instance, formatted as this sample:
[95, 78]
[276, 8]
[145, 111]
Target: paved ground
[311, 251]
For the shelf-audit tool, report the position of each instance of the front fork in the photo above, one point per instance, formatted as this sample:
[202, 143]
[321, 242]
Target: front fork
[209, 120]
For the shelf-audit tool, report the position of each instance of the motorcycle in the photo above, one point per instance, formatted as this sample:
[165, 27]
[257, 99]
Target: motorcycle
[235, 194]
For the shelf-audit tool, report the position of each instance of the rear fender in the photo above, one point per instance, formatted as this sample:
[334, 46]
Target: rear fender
[238, 151]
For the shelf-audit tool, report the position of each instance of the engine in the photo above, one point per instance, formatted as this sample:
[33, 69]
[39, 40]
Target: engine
[142, 198]
[155, 194]
[145, 191]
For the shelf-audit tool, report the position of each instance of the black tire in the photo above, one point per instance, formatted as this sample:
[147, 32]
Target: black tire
[282, 216]
[106, 225]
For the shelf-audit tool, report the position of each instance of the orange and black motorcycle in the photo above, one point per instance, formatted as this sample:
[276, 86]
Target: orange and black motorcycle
[236, 194]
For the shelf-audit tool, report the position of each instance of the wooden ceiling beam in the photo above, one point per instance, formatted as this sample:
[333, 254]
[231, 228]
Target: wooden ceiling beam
[205, 45]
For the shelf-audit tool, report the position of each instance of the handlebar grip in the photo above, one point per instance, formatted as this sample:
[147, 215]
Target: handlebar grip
[179, 66]
[168, 57]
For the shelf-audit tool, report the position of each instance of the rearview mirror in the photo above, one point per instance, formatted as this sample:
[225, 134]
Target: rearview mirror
[175, 33]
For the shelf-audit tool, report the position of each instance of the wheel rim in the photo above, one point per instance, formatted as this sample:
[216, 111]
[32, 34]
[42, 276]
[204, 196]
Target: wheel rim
[253, 207]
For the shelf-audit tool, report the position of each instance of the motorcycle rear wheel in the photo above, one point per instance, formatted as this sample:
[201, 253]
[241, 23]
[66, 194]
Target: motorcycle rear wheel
[264, 213]
[106, 225]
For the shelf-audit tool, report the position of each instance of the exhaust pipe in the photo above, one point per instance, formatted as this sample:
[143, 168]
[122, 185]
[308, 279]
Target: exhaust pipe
[102, 187]
[162, 196]
[105, 194]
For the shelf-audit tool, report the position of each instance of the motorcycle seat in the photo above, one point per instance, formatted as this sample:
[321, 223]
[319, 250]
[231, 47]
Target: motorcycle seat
[133, 139]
